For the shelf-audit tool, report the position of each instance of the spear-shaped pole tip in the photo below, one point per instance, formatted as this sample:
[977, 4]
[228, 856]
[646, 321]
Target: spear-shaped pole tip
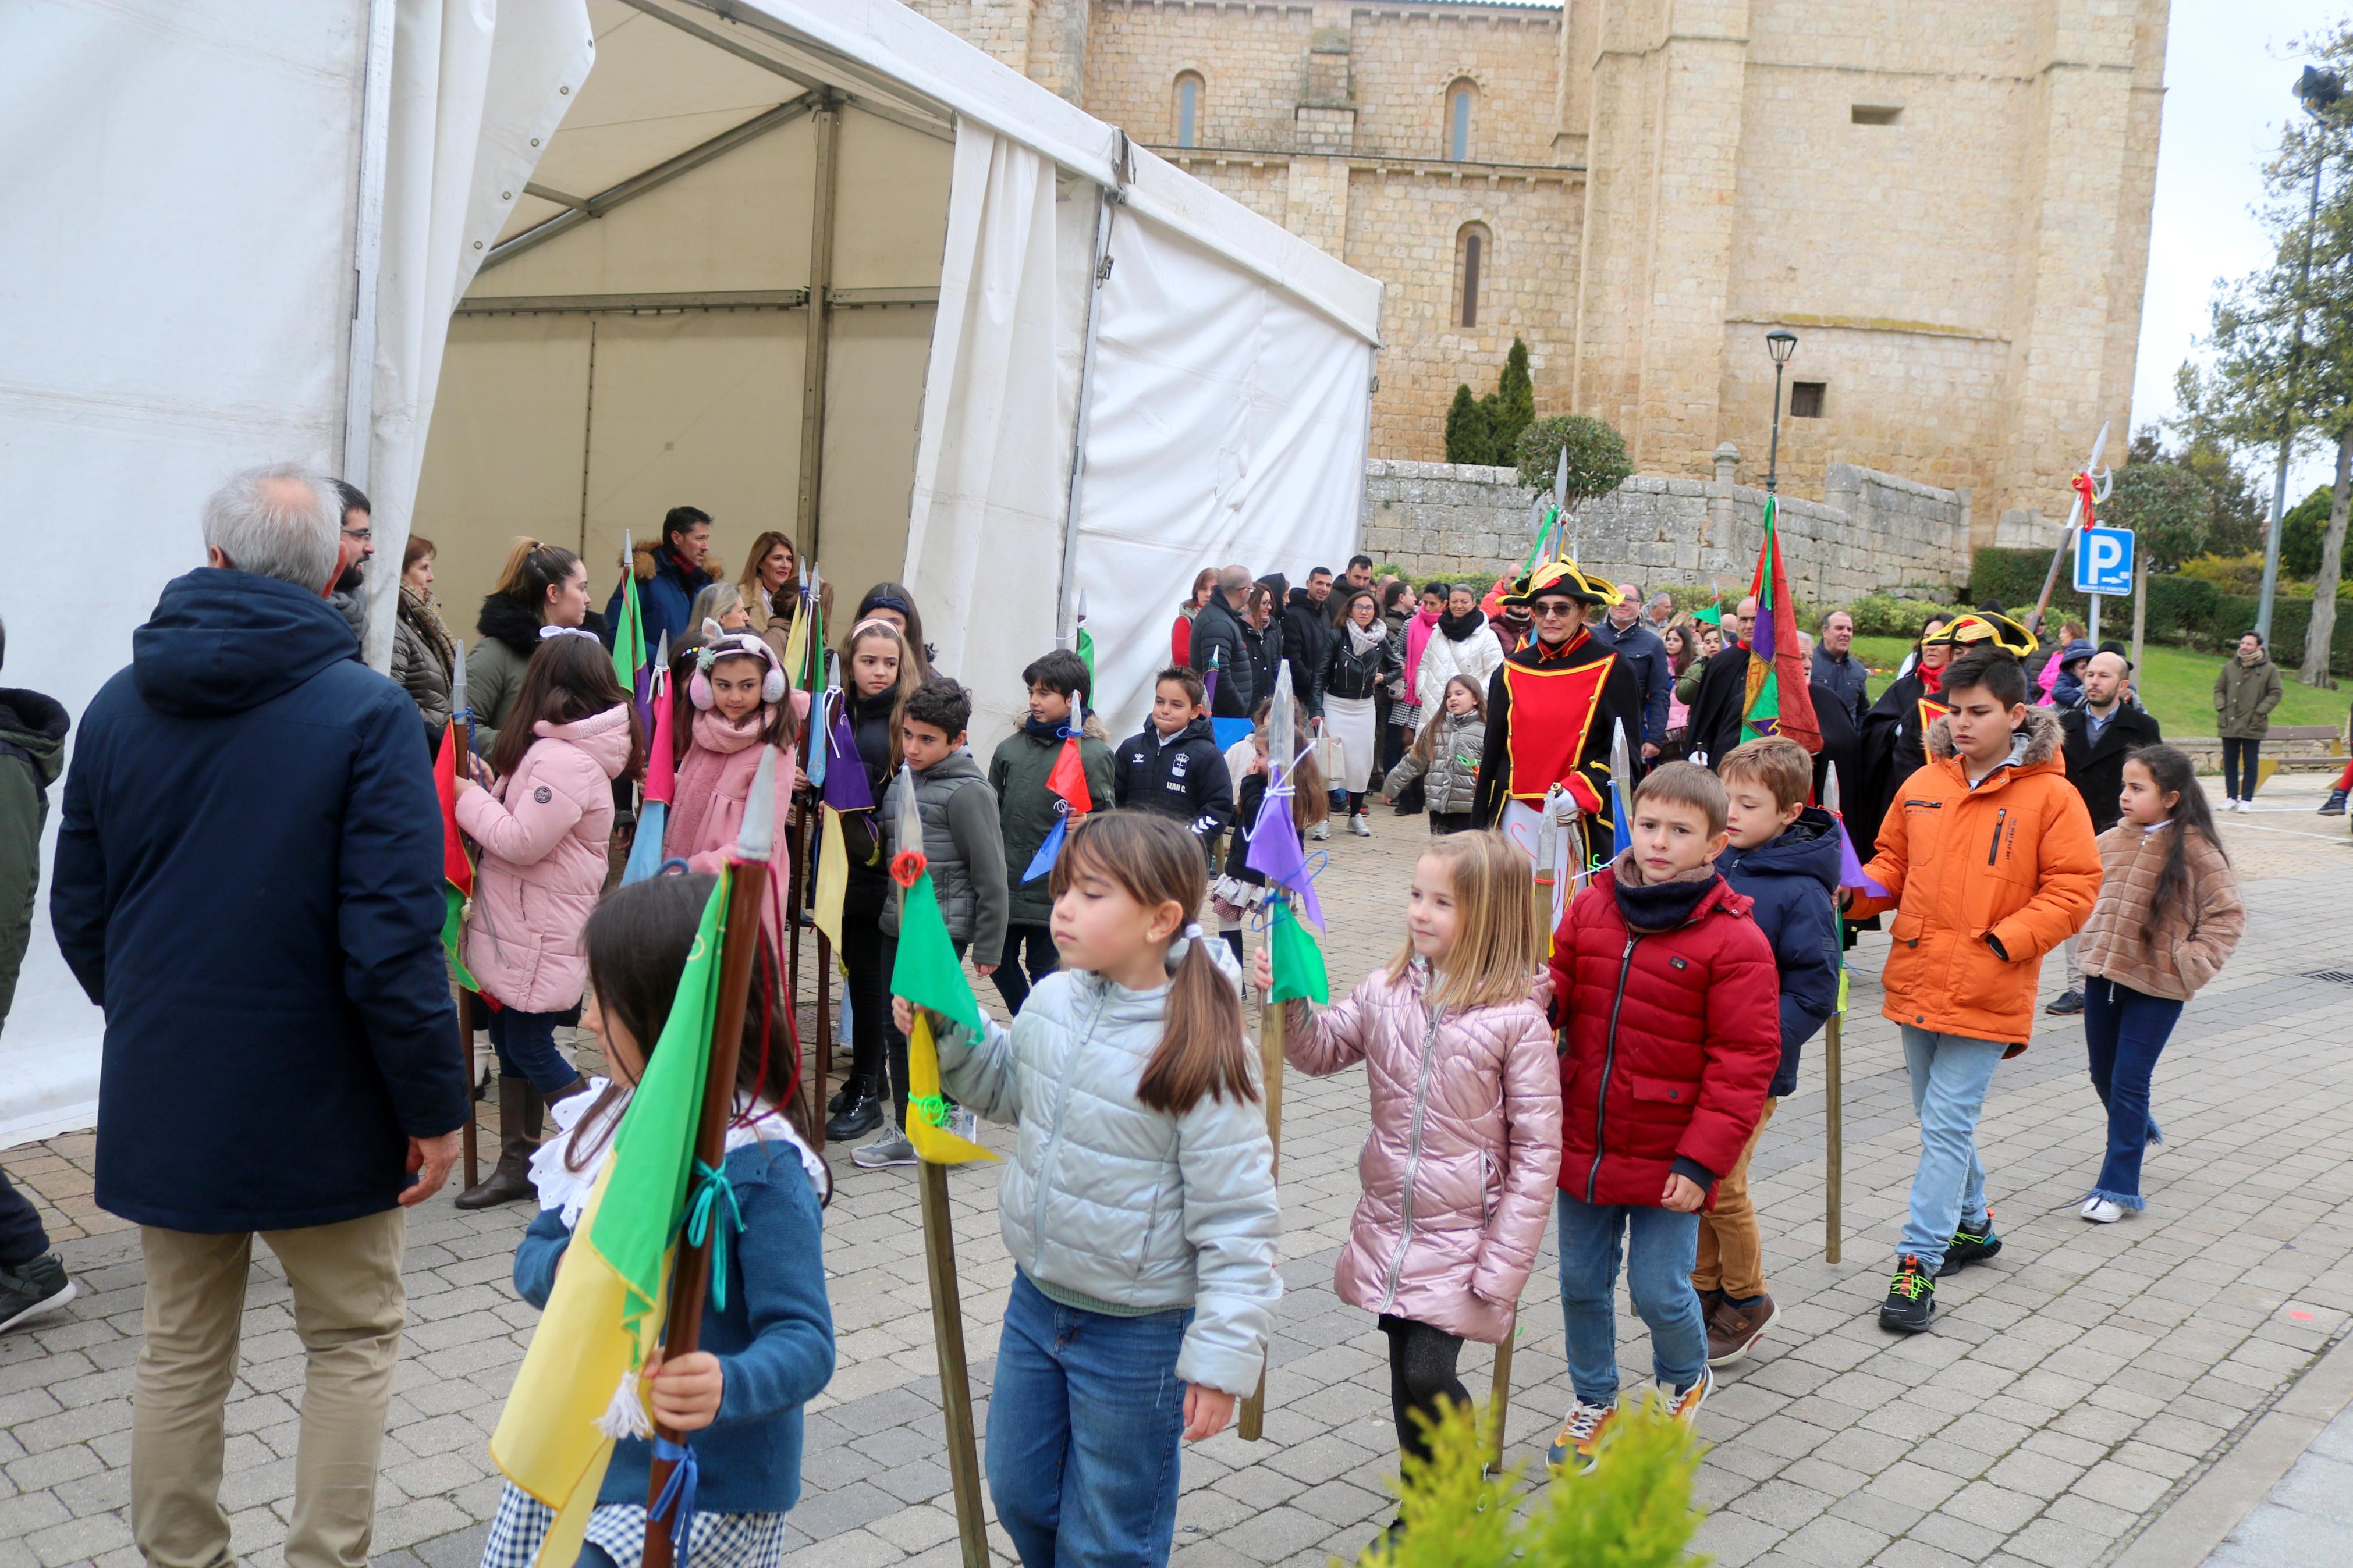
[457, 681]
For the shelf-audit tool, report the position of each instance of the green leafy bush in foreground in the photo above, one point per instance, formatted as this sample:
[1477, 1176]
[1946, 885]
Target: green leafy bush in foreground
[1633, 1510]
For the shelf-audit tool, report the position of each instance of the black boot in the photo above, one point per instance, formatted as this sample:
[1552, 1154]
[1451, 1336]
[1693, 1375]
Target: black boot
[520, 1109]
[860, 1113]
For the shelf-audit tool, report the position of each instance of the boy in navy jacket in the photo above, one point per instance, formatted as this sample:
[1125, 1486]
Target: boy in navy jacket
[1784, 857]
[1174, 767]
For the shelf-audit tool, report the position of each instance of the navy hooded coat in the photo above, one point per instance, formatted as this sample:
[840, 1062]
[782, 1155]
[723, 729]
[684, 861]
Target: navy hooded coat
[1791, 884]
[249, 880]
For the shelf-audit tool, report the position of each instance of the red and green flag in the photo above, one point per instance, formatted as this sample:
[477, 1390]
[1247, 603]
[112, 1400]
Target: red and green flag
[1778, 703]
[457, 866]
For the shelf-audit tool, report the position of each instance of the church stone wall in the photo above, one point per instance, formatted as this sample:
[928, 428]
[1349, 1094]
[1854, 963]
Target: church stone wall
[1874, 532]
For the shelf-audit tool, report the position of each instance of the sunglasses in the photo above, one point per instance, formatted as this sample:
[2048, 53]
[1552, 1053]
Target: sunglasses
[1554, 609]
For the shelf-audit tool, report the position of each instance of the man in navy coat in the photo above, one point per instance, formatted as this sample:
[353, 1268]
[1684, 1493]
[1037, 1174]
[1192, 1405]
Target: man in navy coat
[249, 880]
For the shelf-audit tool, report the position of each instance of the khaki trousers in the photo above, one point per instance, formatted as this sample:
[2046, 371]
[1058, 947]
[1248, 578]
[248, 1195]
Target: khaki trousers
[349, 1305]
[1731, 1255]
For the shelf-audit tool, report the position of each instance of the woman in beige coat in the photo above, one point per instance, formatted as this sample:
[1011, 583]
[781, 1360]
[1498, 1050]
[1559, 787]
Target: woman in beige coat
[2168, 916]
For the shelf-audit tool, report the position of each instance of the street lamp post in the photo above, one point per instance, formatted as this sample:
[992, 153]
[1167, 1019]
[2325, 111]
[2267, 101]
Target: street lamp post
[2319, 90]
[1780, 342]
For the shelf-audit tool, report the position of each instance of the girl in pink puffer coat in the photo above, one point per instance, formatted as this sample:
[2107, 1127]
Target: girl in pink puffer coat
[732, 719]
[545, 829]
[1464, 1155]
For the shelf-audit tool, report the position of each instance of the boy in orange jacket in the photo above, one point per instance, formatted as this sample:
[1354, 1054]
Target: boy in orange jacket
[1988, 857]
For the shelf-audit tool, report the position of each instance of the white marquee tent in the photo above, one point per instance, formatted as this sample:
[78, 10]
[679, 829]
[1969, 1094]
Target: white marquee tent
[813, 265]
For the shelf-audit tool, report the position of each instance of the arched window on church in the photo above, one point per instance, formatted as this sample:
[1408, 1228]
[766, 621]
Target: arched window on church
[1188, 109]
[1474, 256]
[1459, 99]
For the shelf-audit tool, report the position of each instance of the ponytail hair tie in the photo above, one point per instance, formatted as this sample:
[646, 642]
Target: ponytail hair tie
[1184, 943]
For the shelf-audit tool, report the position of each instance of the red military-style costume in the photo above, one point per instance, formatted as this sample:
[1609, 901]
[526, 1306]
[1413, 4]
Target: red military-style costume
[1552, 710]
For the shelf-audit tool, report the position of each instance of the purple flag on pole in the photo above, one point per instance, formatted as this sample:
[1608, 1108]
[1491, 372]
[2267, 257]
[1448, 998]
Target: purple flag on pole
[846, 788]
[1276, 853]
[1850, 865]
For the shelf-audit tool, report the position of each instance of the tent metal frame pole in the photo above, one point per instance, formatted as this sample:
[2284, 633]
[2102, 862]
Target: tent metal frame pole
[1066, 629]
[367, 243]
[580, 210]
[818, 325]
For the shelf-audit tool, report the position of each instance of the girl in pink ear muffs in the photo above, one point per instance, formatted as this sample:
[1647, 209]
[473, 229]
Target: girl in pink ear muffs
[740, 704]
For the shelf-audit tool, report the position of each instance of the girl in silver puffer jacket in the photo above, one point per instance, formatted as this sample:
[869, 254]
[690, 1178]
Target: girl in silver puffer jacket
[1139, 1206]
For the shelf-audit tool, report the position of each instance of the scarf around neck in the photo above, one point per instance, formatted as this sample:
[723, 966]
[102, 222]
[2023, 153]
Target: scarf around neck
[1649, 907]
[417, 610]
[1364, 639]
[714, 732]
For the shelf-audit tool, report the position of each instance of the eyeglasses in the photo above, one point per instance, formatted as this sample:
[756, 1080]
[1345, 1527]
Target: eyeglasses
[1555, 610]
[365, 535]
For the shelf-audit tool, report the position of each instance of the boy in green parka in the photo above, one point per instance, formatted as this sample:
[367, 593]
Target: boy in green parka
[1028, 809]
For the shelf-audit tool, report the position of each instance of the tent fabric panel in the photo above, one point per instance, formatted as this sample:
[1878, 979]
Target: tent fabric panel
[891, 191]
[504, 459]
[475, 93]
[1227, 424]
[694, 410]
[874, 391]
[984, 538]
[140, 374]
[741, 221]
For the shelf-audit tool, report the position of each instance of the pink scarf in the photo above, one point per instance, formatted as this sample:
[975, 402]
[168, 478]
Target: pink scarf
[1417, 637]
[717, 769]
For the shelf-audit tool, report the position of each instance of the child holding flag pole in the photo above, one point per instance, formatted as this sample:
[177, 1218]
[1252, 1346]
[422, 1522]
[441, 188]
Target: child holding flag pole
[689, 1164]
[1134, 1324]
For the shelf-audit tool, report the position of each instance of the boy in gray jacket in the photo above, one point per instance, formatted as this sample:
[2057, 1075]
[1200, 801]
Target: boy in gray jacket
[963, 848]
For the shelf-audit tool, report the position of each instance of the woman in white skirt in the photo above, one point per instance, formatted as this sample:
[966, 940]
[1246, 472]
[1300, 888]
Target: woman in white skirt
[1359, 658]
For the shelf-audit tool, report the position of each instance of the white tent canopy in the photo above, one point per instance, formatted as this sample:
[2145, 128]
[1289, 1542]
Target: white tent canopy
[818, 267]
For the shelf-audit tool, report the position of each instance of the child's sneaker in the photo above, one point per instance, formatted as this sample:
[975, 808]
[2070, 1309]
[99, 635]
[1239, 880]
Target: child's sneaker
[1683, 1404]
[1322, 831]
[1361, 825]
[1579, 1438]
[2102, 1211]
[891, 1149]
[1733, 1331]
[1970, 1244]
[1911, 1298]
[32, 1290]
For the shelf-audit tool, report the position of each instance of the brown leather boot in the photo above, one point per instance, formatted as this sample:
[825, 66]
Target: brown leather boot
[518, 1121]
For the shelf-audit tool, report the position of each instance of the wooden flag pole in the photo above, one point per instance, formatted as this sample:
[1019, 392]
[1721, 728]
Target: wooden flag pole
[796, 841]
[690, 1276]
[1270, 1048]
[956, 1382]
[1834, 1133]
[473, 1081]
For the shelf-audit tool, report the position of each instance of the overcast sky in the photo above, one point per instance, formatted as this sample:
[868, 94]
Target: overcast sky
[2229, 72]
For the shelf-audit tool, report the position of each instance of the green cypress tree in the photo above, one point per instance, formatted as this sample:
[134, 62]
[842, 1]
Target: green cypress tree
[1466, 436]
[1515, 398]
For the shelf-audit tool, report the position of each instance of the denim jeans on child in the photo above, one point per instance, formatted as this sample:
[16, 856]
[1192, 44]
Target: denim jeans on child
[1659, 1258]
[1950, 1074]
[1082, 1429]
[527, 1048]
[2125, 1030]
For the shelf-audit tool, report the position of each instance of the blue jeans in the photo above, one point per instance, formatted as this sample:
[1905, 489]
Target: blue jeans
[1950, 1074]
[2125, 1031]
[1659, 1260]
[2239, 767]
[1082, 1430]
[526, 1045]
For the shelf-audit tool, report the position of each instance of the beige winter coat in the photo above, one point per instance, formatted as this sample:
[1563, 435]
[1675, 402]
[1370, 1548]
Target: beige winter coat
[2192, 939]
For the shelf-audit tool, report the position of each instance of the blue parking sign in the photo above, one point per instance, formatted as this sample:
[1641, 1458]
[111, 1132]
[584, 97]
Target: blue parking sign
[2104, 561]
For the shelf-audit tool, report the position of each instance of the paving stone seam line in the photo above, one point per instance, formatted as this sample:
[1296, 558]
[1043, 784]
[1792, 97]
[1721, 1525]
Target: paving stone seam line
[2153, 1517]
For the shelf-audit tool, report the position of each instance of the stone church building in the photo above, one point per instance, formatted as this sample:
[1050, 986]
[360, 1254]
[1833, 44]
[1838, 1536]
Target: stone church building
[1946, 200]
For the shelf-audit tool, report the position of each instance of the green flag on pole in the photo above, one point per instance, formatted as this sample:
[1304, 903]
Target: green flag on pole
[653, 1153]
[1298, 962]
[927, 971]
[629, 637]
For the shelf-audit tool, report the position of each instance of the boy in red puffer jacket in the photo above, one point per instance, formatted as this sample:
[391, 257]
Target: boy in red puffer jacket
[1669, 996]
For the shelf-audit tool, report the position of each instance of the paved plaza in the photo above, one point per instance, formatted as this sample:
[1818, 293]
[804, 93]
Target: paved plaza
[2095, 1394]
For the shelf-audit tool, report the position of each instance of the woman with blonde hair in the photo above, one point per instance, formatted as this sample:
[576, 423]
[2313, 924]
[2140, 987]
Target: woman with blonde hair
[770, 586]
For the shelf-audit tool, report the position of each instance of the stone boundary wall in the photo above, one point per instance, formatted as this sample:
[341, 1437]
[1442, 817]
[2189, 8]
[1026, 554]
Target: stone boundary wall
[1871, 531]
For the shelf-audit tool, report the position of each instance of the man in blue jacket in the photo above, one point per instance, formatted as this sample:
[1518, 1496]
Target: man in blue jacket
[1644, 652]
[669, 575]
[249, 880]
